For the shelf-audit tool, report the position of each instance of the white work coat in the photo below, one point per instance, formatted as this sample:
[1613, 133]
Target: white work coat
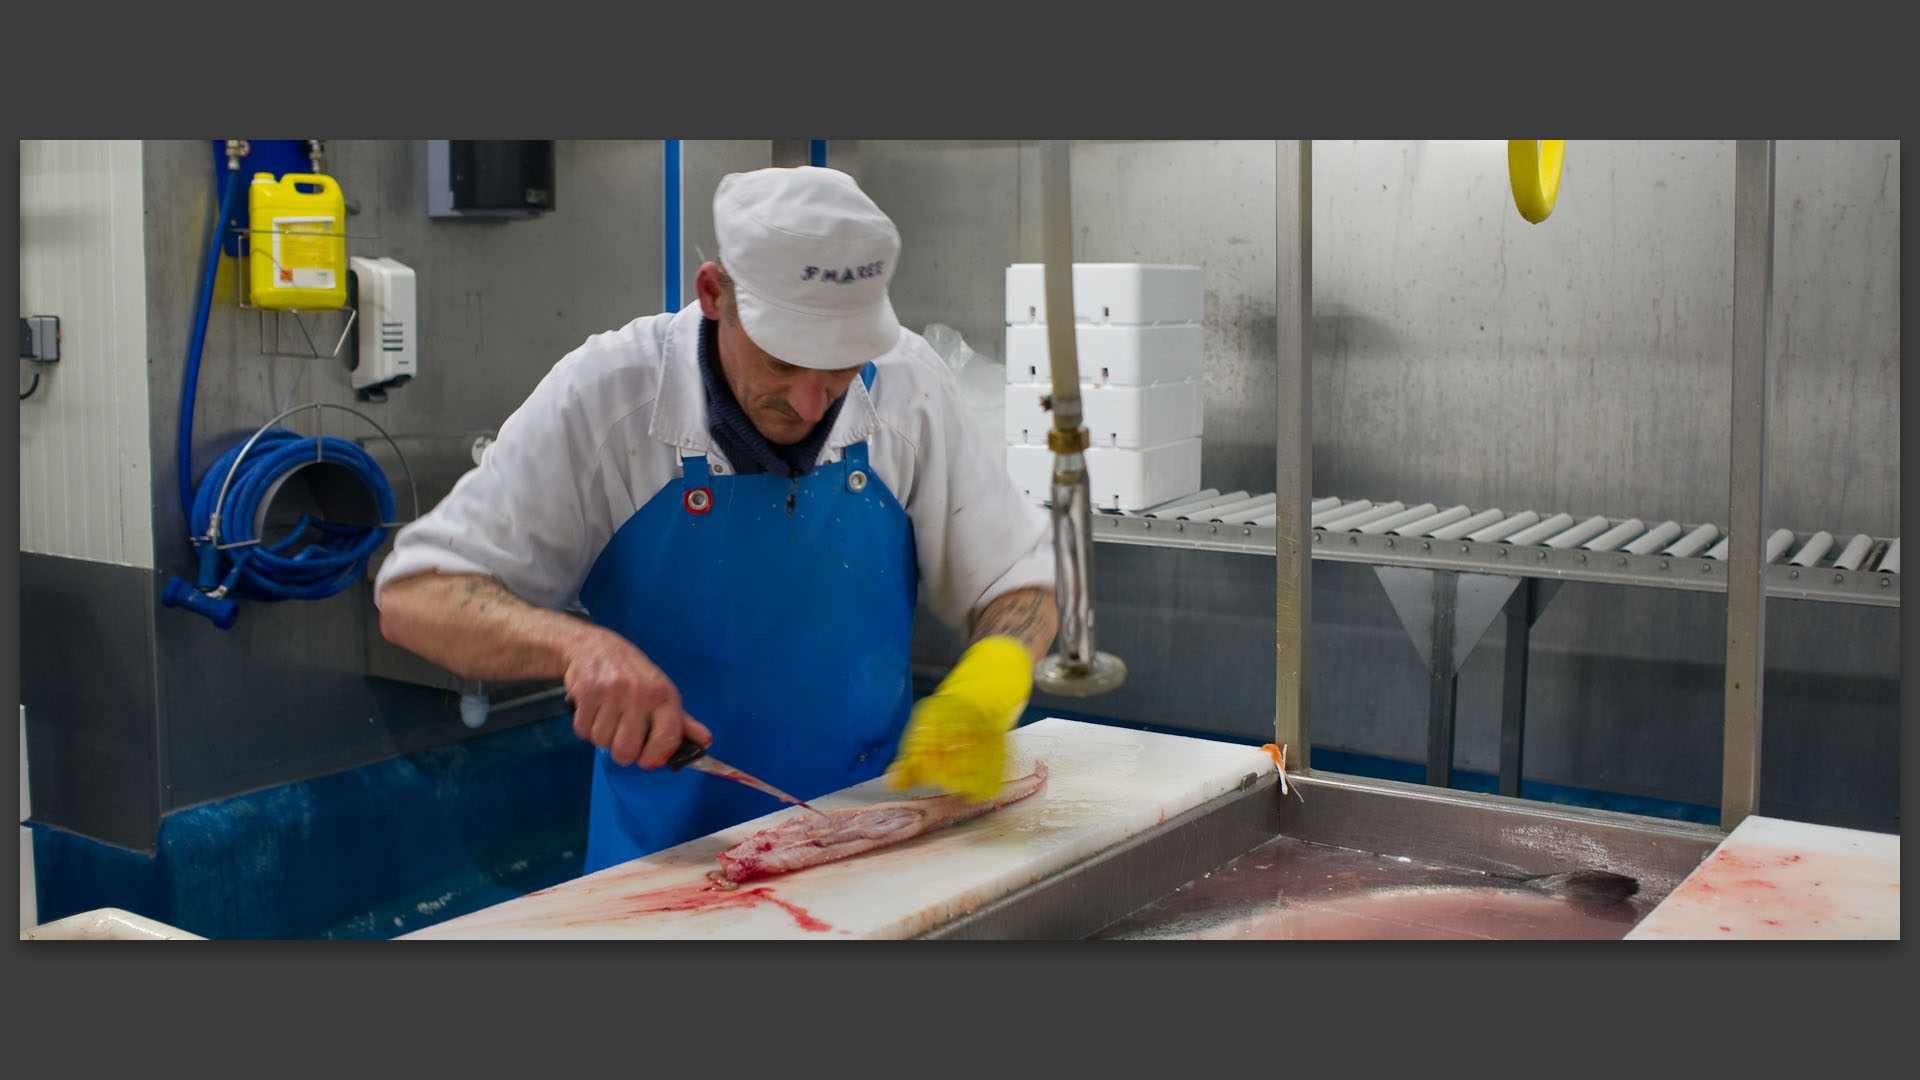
[607, 426]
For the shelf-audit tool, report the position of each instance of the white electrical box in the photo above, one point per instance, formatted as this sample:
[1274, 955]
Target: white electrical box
[389, 353]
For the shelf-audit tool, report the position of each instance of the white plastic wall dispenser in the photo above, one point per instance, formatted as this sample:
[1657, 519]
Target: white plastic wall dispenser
[388, 323]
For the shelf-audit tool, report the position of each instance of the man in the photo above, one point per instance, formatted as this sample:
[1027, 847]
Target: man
[747, 498]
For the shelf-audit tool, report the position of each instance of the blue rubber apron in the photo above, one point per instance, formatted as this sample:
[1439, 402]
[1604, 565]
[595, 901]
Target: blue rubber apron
[782, 610]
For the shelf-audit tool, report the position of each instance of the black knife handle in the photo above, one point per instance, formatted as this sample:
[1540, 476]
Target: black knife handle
[688, 753]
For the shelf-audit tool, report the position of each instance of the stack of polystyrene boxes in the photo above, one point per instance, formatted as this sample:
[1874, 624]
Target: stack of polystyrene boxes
[1138, 337]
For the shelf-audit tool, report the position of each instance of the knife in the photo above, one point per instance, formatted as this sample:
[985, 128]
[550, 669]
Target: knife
[692, 755]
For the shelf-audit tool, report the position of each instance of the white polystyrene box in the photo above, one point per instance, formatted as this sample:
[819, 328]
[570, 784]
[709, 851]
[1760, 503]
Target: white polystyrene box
[1117, 479]
[1114, 416]
[1127, 293]
[1116, 355]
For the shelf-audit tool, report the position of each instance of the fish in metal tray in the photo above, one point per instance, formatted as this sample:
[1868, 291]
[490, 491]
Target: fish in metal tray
[1573, 905]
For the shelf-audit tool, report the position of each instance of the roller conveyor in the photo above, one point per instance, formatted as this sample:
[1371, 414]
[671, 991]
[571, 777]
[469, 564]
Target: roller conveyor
[1557, 545]
[1505, 527]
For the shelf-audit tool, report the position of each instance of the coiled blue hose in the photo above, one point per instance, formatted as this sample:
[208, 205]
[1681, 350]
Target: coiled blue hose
[332, 556]
[233, 563]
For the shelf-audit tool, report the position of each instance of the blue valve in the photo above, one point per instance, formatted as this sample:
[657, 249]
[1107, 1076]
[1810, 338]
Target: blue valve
[221, 611]
[209, 565]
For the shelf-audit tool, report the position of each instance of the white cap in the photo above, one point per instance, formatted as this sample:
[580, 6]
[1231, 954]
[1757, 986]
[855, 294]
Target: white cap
[810, 257]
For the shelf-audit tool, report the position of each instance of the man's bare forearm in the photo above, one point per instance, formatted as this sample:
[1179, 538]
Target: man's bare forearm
[472, 626]
[1027, 614]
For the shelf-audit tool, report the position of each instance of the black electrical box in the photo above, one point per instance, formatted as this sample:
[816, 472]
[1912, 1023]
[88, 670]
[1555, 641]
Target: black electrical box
[489, 178]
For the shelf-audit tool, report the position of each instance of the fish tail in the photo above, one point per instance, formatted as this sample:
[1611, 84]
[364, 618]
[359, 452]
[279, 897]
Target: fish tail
[1599, 885]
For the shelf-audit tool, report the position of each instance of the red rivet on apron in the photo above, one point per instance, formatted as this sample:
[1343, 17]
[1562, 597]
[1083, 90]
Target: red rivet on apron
[698, 501]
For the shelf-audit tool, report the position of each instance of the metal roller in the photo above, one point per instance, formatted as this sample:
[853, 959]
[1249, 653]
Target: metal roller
[1619, 534]
[1353, 524]
[1425, 526]
[1813, 550]
[1719, 550]
[1482, 520]
[1500, 530]
[1404, 517]
[1856, 550]
[1327, 503]
[1236, 512]
[1660, 534]
[1553, 526]
[1687, 546]
[1778, 543]
[1200, 507]
[1890, 562]
[1579, 534]
[1329, 518]
[1173, 507]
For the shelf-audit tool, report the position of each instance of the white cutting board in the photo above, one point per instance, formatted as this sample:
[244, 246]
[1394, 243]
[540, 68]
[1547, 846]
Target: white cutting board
[1775, 879]
[1104, 784]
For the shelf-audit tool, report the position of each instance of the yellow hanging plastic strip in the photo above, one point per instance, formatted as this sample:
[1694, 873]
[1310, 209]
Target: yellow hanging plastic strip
[1533, 167]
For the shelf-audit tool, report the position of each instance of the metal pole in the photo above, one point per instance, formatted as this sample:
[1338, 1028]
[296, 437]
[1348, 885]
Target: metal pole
[1747, 516]
[1078, 669]
[1293, 461]
[1513, 692]
[1442, 680]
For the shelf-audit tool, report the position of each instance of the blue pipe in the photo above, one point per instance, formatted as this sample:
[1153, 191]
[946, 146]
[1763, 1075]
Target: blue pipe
[817, 152]
[671, 277]
[192, 378]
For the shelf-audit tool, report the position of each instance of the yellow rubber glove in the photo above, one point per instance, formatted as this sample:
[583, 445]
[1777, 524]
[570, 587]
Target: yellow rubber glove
[957, 735]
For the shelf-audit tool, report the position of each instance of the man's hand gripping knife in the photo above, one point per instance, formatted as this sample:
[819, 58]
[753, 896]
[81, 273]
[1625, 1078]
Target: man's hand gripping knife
[956, 737]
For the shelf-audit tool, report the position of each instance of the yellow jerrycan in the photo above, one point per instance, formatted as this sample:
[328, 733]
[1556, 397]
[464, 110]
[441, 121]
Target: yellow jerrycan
[298, 242]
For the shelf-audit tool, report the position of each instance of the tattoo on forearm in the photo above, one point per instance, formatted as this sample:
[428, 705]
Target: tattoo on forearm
[1024, 614]
[484, 594]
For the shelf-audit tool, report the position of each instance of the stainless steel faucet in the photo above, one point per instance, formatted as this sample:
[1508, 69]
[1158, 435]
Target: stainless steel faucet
[1077, 669]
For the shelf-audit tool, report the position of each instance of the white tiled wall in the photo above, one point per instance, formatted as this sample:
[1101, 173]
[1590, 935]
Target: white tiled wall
[85, 459]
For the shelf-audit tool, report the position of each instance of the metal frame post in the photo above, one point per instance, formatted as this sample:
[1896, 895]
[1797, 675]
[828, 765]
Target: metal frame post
[1753, 161]
[1513, 686]
[1442, 680]
[1293, 475]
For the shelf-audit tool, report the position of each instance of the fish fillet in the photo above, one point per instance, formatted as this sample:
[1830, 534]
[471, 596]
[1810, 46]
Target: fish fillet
[805, 840]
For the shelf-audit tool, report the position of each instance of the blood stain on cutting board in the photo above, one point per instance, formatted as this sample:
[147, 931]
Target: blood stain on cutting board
[1771, 894]
[695, 897]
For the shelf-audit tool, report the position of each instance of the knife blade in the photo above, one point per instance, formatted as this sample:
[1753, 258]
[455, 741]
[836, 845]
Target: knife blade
[692, 755]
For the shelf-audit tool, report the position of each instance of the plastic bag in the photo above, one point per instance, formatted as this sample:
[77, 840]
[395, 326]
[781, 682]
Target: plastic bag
[982, 379]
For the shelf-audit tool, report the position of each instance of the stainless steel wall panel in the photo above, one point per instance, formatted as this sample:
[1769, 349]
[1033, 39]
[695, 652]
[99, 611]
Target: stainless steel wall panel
[1835, 426]
[87, 681]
